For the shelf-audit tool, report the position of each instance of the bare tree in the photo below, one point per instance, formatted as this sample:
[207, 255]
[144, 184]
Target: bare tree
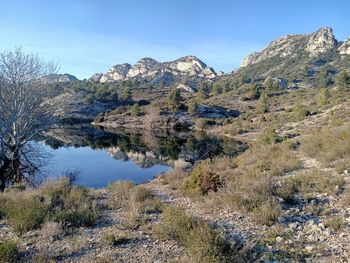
[23, 113]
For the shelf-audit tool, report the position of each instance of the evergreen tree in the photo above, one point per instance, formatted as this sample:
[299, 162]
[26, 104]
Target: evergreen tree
[324, 96]
[192, 106]
[135, 109]
[253, 91]
[126, 96]
[217, 89]
[175, 99]
[343, 80]
[268, 83]
[263, 105]
[203, 90]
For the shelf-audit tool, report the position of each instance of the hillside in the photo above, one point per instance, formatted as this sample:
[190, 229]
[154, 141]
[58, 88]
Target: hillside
[303, 60]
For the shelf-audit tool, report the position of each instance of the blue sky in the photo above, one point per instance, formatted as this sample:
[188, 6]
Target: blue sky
[89, 36]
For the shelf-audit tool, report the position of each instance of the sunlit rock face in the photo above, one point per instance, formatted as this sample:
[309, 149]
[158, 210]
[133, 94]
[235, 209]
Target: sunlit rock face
[314, 44]
[321, 41]
[117, 72]
[60, 78]
[189, 67]
[144, 67]
[344, 49]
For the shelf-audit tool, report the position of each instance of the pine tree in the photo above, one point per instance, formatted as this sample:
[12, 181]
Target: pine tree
[263, 104]
[268, 83]
[342, 80]
[175, 99]
[324, 96]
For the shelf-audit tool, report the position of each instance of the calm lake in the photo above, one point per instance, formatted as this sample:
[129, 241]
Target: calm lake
[105, 156]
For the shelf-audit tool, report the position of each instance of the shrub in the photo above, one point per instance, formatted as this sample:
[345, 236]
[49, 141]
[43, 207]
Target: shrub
[336, 223]
[267, 212]
[270, 137]
[26, 212]
[88, 99]
[8, 251]
[176, 224]
[58, 202]
[329, 145]
[202, 180]
[202, 242]
[51, 230]
[318, 181]
[120, 192]
[314, 181]
[274, 159]
[79, 210]
[301, 111]
[143, 194]
[135, 110]
[111, 240]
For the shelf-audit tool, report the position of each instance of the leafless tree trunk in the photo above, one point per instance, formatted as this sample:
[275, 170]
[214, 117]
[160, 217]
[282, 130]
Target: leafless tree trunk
[22, 113]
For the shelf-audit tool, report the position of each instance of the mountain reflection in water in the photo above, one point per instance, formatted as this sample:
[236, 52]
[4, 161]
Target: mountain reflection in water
[105, 156]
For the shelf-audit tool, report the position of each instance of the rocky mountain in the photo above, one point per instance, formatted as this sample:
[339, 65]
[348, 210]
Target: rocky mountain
[60, 78]
[185, 68]
[344, 49]
[303, 59]
[314, 44]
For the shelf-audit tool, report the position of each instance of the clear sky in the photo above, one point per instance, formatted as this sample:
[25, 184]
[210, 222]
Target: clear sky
[92, 35]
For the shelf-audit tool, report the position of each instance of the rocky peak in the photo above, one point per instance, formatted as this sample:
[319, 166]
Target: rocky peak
[281, 47]
[117, 72]
[96, 77]
[321, 41]
[344, 49]
[291, 45]
[142, 67]
[188, 67]
[191, 65]
[51, 78]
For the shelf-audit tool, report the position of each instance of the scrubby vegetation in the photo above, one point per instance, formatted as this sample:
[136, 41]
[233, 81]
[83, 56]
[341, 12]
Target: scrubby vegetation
[202, 242]
[8, 251]
[58, 201]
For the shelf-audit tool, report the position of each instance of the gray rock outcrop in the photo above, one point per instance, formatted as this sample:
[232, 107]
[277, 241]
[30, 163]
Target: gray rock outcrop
[155, 71]
[293, 45]
[60, 78]
[321, 41]
[344, 49]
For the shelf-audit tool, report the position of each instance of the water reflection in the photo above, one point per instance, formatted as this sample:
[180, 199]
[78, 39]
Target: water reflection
[143, 154]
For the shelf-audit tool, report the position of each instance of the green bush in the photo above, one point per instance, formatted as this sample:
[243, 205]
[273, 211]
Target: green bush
[111, 240]
[78, 209]
[143, 194]
[120, 192]
[301, 111]
[202, 242]
[202, 180]
[88, 99]
[135, 110]
[336, 223]
[8, 251]
[26, 213]
[270, 137]
[176, 224]
[57, 201]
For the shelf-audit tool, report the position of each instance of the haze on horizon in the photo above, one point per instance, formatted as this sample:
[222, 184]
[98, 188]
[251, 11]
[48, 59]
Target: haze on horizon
[86, 37]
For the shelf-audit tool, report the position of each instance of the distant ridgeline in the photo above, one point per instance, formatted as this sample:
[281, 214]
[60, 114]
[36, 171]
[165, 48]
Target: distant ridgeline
[292, 61]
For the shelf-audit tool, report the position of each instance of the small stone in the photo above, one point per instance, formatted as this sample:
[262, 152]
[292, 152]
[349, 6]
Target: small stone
[279, 239]
[309, 248]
